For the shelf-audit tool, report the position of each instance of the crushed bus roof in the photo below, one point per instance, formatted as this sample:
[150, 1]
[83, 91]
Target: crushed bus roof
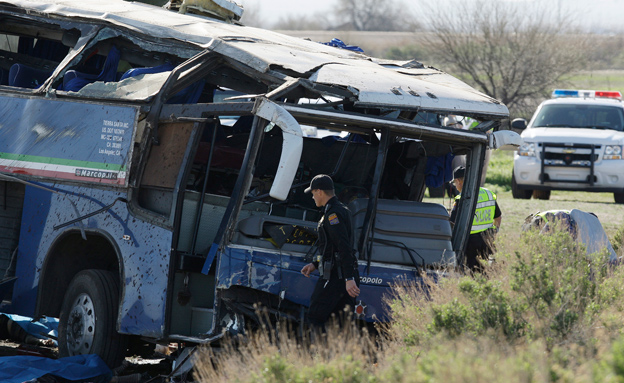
[372, 82]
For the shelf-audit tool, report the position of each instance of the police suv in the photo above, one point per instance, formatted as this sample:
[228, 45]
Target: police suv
[573, 142]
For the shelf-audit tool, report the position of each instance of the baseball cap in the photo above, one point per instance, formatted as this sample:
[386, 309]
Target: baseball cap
[321, 182]
[459, 172]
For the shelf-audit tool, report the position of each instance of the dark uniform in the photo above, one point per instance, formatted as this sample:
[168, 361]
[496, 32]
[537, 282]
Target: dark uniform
[336, 263]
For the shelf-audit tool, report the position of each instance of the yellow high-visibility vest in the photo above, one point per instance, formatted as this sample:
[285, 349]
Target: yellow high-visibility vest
[484, 213]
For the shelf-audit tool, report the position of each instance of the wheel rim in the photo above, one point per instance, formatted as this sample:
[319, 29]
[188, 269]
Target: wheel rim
[81, 326]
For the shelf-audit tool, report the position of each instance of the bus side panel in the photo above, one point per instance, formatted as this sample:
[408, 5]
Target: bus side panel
[34, 215]
[374, 286]
[233, 268]
[280, 274]
[66, 140]
[144, 250]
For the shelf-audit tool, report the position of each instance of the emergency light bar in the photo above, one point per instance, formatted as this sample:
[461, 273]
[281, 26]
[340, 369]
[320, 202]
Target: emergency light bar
[586, 93]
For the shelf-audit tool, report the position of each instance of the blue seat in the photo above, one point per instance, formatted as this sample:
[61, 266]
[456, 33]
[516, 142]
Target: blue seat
[188, 95]
[73, 80]
[139, 71]
[4, 77]
[23, 76]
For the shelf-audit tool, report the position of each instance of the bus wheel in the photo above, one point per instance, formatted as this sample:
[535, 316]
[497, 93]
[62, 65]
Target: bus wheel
[619, 197]
[88, 318]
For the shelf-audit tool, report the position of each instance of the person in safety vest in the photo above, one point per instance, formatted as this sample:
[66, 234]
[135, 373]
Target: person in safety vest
[485, 224]
[543, 220]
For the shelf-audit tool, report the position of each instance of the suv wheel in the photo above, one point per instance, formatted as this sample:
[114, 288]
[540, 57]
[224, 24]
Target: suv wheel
[541, 194]
[619, 197]
[518, 193]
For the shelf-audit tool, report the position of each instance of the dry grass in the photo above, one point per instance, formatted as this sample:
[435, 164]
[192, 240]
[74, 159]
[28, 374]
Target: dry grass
[543, 312]
[346, 354]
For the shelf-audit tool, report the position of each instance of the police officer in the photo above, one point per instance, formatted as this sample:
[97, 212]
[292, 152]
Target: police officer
[339, 280]
[485, 224]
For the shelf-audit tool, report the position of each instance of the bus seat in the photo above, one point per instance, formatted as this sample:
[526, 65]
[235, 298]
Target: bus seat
[73, 80]
[149, 70]
[23, 76]
[4, 77]
[188, 95]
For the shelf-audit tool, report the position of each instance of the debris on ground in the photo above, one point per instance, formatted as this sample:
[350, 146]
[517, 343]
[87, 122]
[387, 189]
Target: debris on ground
[584, 227]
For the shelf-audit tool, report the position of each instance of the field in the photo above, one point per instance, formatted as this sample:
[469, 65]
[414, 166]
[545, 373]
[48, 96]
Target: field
[599, 80]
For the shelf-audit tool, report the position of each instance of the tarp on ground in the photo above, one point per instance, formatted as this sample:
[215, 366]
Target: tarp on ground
[43, 328]
[19, 369]
[584, 227]
[590, 232]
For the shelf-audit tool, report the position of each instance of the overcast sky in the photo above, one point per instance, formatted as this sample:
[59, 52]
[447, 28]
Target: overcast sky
[597, 15]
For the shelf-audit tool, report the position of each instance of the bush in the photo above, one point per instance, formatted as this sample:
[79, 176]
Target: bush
[549, 289]
[618, 242]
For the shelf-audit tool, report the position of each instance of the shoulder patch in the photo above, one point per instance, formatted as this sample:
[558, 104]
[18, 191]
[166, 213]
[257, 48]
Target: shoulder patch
[333, 219]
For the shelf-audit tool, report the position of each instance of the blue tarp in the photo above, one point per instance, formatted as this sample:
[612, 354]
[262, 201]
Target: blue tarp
[19, 369]
[340, 44]
[40, 328]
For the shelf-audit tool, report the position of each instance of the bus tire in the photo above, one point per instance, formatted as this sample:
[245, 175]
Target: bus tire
[87, 323]
[619, 197]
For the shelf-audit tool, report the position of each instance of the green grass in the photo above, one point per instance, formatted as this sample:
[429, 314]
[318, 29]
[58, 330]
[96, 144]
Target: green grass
[498, 176]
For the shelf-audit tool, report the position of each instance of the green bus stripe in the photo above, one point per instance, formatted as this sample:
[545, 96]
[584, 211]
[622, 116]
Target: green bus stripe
[60, 161]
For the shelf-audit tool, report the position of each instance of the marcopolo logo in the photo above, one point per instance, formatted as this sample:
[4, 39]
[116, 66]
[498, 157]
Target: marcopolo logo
[371, 280]
[89, 173]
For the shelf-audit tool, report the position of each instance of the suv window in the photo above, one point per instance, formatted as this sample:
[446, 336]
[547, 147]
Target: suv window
[580, 116]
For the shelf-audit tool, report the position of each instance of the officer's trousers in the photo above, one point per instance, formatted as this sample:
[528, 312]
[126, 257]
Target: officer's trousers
[480, 246]
[329, 297]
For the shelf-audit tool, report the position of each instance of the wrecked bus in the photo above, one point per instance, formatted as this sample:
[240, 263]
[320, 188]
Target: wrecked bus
[152, 168]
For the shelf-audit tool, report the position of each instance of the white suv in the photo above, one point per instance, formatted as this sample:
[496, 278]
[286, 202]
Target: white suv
[573, 142]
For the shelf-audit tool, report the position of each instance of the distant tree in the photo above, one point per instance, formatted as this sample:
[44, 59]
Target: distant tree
[513, 53]
[253, 17]
[317, 22]
[407, 52]
[374, 15]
